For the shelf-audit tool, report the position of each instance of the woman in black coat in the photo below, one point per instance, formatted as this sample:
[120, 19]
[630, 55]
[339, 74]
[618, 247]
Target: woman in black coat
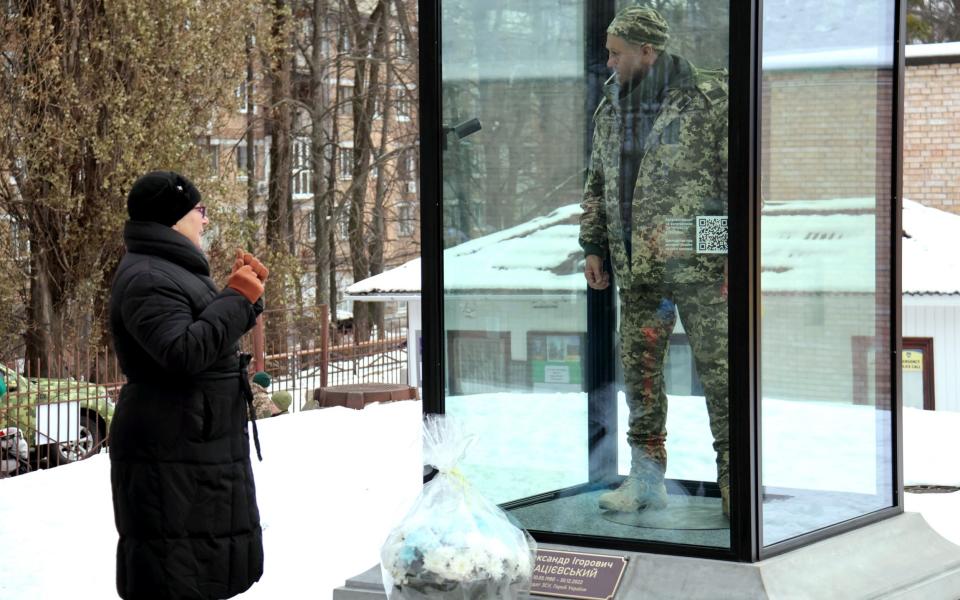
[183, 494]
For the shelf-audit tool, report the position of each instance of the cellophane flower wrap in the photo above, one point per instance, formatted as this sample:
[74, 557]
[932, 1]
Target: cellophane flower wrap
[454, 544]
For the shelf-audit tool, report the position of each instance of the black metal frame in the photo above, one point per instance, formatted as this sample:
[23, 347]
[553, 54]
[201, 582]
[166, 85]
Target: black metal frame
[746, 523]
[431, 206]
[601, 304]
[744, 283]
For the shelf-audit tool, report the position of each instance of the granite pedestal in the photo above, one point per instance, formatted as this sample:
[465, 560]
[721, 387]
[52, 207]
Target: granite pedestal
[899, 558]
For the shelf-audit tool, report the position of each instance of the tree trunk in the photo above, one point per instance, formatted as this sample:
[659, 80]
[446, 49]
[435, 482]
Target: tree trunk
[318, 144]
[251, 163]
[280, 125]
[378, 222]
[366, 80]
[279, 195]
[40, 317]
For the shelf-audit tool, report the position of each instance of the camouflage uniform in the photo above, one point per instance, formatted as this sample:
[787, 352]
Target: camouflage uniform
[262, 404]
[682, 175]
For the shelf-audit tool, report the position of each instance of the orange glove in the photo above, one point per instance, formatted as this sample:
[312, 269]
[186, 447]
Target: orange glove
[246, 282]
[257, 266]
[238, 262]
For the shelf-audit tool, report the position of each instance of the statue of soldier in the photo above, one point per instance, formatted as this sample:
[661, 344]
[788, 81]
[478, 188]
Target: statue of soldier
[655, 203]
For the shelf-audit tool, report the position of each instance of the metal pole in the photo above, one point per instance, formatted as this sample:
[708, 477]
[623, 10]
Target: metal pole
[324, 343]
[259, 358]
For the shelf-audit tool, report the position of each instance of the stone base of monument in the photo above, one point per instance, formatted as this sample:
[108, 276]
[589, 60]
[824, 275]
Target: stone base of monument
[898, 558]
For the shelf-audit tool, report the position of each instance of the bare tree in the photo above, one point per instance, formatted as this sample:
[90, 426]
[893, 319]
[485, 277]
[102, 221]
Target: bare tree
[90, 98]
[343, 97]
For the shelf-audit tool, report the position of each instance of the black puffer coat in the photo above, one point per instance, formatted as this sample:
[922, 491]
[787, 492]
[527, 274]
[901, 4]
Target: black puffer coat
[183, 492]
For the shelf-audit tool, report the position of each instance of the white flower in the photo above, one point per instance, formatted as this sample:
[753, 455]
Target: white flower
[496, 569]
[438, 561]
[460, 568]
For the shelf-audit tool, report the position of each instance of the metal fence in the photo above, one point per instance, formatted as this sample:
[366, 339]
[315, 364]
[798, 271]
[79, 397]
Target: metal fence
[62, 413]
[58, 414]
[305, 358]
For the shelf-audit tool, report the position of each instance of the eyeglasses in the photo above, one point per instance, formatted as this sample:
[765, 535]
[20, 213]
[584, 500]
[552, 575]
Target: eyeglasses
[201, 209]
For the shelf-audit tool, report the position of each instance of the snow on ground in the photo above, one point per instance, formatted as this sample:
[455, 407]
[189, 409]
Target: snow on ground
[810, 445]
[331, 485]
[334, 481]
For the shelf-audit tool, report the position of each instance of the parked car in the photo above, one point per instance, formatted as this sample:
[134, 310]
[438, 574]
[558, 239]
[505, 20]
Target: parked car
[62, 420]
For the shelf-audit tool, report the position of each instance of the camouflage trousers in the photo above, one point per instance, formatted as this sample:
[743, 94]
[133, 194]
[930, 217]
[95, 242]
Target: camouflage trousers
[647, 319]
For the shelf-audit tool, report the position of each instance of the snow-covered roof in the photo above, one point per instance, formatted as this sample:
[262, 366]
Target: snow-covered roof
[541, 255]
[801, 240]
[931, 261]
[932, 50]
[401, 283]
[868, 57]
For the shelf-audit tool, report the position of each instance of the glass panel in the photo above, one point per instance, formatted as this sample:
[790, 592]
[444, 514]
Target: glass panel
[827, 113]
[532, 178]
[514, 300]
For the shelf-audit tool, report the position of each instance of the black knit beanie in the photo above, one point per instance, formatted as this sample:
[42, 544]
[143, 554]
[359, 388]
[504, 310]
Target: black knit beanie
[161, 197]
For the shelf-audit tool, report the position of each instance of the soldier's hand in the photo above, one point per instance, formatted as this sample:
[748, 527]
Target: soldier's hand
[597, 278]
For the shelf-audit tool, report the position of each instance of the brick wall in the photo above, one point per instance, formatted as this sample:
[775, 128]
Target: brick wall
[821, 131]
[931, 135]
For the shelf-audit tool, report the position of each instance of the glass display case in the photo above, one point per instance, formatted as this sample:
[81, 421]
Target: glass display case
[660, 265]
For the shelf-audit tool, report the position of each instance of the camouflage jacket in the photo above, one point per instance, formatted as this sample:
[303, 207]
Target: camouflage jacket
[262, 404]
[682, 176]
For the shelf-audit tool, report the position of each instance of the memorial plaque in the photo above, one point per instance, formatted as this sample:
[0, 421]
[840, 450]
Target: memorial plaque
[577, 575]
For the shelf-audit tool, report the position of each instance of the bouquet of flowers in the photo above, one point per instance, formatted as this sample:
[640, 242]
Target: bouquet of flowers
[454, 544]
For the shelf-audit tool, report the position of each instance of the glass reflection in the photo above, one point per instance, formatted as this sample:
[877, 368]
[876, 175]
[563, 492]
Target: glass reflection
[611, 169]
[513, 293]
[825, 278]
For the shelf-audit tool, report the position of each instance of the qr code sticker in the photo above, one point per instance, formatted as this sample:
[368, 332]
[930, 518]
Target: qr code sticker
[711, 235]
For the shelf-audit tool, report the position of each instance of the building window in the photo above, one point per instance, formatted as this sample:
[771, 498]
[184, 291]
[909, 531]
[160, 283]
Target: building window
[311, 226]
[405, 219]
[302, 168]
[400, 47]
[345, 92]
[244, 103]
[213, 151]
[241, 155]
[407, 171]
[343, 227]
[345, 163]
[20, 241]
[404, 106]
[411, 169]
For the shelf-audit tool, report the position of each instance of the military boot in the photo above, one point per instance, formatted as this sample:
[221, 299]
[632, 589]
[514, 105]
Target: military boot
[642, 489]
